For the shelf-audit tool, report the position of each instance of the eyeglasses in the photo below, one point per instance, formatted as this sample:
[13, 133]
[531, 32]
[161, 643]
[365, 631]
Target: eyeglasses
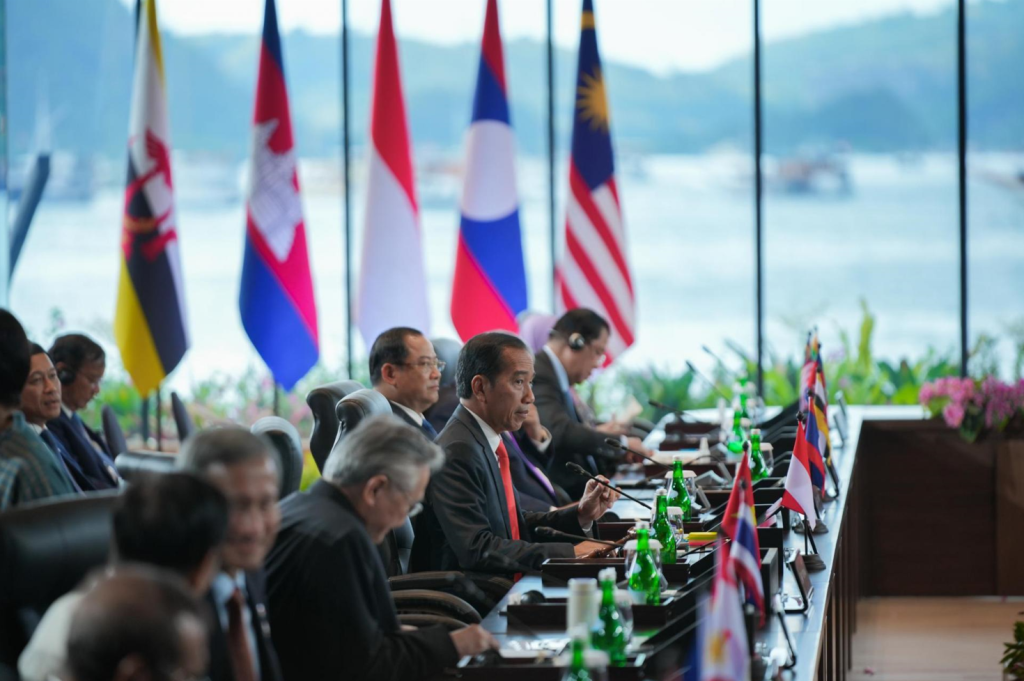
[427, 366]
[415, 508]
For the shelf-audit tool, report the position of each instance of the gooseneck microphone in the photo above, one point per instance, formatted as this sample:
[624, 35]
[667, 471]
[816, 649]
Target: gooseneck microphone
[714, 386]
[552, 533]
[612, 442]
[580, 470]
[680, 414]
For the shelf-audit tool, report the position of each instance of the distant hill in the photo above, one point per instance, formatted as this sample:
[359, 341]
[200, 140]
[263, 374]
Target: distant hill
[886, 85]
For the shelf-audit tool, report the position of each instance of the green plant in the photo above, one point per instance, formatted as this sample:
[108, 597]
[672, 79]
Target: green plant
[1013, 658]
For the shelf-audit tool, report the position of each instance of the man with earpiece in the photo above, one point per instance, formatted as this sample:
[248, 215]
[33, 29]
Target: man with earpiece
[576, 347]
[80, 364]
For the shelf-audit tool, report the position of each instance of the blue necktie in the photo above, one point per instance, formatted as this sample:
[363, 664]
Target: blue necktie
[428, 430]
[58, 451]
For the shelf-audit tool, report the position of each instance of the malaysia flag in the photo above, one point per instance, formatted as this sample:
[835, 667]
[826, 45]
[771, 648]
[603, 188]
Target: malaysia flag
[489, 287]
[276, 298]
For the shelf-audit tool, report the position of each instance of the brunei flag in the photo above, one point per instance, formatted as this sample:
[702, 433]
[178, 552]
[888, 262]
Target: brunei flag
[149, 324]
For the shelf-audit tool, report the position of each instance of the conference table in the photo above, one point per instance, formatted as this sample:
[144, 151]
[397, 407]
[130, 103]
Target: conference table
[820, 637]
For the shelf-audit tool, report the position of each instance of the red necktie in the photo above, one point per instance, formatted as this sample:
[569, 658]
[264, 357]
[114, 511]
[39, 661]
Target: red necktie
[510, 493]
[238, 644]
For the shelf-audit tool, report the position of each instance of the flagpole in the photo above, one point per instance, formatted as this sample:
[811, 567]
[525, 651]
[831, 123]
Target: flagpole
[758, 268]
[551, 155]
[277, 398]
[159, 426]
[346, 201]
[145, 421]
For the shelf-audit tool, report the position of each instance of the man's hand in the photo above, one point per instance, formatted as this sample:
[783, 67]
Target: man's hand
[596, 501]
[612, 428]
[534, 430]
[473, 640]
[586, 549]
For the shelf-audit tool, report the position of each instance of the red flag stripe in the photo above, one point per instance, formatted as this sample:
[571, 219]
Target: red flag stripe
[597, 284]
[389, 127]
[583, 295]
[586, 236]
[581, 192]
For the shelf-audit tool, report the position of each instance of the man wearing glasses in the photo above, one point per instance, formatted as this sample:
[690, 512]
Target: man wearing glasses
[405, 369]
[331, 610]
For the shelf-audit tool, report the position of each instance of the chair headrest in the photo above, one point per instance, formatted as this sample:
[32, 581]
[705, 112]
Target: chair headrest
[323, 402]
[360, 405]
[447, 351]
[285, 438]
[112, 431]
[48, 547]
[131, 464]
[182, 419]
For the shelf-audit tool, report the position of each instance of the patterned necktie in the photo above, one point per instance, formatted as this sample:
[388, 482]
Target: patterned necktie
[428, 430]
[537, 473]
[510, 493]
[238, 644]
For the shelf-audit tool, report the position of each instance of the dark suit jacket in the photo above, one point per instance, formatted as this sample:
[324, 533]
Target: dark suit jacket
[220, 660]
[92, 471]
[531, 491]
[572, 439]
[331, 608]
[465, 524]
[442, 410]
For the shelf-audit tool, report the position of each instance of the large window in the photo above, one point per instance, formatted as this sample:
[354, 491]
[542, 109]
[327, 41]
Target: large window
[995, 204]
[860, 205]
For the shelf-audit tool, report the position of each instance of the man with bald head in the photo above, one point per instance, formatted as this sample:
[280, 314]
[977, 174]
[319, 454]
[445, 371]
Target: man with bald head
[137, 624]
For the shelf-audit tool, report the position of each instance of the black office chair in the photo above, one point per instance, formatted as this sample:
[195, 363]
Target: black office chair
[447, 350]
[182, 419]
[46, 549]
[441, 411]
[288, 445]
[112, 432]
[449, 587]
[130, 465]
[323, 402]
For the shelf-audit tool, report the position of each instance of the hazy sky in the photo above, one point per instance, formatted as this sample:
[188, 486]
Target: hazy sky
[660, 34]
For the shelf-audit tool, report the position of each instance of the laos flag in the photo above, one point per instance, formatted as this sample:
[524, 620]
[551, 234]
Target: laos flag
[489, 288]
[276, 298]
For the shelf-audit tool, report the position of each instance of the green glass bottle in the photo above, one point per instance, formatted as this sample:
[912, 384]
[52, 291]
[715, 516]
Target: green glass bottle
[577, 670]
[677, 493]
[609, 635]
[758, 469]
[736, 438]
[644, 579]
[663, 529]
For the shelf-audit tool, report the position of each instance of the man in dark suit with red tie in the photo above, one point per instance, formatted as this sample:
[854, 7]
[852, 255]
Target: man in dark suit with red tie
[405, 369]
[80, 364]
[474, 518]
[243, 467]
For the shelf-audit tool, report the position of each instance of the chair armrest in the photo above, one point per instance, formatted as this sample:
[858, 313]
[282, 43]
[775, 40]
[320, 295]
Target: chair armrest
[424, 601]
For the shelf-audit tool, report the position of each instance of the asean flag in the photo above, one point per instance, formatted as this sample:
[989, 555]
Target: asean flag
[276, 298]
[489, 287]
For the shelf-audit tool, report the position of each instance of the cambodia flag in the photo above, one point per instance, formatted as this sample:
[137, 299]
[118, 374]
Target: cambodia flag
[489, 288]
[740, 525]
[276, 297]
[392, 280]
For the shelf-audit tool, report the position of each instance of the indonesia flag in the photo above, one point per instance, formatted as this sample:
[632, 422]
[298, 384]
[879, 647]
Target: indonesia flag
[798, 495]
[276, 299]
[489, 288]
[739, 524]
[594, 272]
[392, 284]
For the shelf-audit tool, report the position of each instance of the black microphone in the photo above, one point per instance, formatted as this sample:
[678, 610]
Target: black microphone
[464, 584]
[612, 442]
[714, 386]
[580, 470]
[680, 414]
[552, 533]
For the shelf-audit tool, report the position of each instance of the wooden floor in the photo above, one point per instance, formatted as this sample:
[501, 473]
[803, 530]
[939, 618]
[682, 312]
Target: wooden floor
[932, 639]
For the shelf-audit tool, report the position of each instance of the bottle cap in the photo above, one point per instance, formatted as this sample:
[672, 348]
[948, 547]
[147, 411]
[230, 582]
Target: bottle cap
[606, 575]
[755, 431]
[643, 525]
[677, 457]
[660, 492]
[745, 423]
